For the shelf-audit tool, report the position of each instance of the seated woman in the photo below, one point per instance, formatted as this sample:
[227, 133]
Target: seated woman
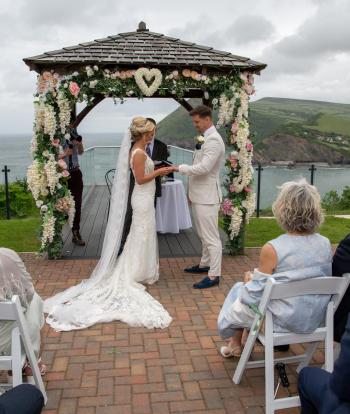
[15, 280]
[299, 254]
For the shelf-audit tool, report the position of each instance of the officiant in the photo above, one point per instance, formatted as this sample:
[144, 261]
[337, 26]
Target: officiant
[157, 151]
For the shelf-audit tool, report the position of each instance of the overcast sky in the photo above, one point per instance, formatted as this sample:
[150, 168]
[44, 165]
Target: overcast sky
[304, 42]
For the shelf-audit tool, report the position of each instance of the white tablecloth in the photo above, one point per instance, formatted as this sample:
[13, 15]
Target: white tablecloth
[172, 212]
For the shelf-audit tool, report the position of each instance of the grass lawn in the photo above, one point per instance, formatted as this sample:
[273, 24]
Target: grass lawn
[20, 234]
[259, 231]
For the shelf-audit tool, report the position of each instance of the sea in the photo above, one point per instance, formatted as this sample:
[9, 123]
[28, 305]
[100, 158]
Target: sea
[15, 153]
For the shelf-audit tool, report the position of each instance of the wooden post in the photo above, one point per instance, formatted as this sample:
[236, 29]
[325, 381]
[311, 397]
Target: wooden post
[6, 171]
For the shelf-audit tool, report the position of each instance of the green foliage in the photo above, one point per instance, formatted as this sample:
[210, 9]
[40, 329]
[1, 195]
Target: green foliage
[22, 203]
[333, 202]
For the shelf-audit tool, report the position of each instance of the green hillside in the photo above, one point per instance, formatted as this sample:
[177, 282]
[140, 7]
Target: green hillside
[319, 128]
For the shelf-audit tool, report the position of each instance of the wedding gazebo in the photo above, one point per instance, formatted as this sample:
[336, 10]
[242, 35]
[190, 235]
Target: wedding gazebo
[137, 64]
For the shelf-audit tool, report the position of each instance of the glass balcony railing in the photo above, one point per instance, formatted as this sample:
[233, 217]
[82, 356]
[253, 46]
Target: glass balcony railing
[96, 161]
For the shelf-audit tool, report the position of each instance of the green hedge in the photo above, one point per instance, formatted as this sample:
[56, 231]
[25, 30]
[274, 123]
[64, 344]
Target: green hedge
[334, 202]
[22, 203]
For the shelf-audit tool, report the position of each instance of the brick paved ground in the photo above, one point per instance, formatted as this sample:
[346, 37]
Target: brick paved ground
[111, 368]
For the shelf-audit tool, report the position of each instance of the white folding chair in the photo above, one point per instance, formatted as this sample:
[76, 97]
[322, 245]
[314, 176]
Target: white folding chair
[12, 311]
[334, 286]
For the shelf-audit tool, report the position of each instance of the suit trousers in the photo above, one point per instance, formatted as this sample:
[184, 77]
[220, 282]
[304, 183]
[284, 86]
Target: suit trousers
[316, 397]
[23, 399]
[206, 218]
[76, 187]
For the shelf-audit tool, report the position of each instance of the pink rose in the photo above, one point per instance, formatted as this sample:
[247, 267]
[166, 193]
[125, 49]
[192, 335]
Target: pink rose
[74, 89]
[249, 89]
[47, 76]
[117, 74]
[194, 74]
[186, 73]
[175, 74]
[234, 163]
[122, 75]
[249, 146]
[55, 142]
[248, 189]
[62, 164]
[232, 188]
[227, 207]
[65, 173]
[129, 74]
[234, 128]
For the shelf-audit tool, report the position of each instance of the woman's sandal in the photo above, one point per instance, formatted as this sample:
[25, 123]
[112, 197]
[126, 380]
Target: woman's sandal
[229, 352]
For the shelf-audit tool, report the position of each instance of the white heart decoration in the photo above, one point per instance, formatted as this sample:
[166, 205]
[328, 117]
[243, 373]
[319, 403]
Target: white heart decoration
[148, 74]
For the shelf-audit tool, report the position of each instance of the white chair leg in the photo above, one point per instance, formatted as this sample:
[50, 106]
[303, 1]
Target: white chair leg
[16, 358]
[310, 350]
[247, 350]
[329, 356]
[269, 367]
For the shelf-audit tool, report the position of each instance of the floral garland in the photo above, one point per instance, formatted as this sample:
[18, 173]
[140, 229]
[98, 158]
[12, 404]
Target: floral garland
[56, 95]
[239, 204]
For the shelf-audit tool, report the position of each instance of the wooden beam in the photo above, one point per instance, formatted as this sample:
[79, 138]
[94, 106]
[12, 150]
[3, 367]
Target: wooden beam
[184, 103]
[82, 114]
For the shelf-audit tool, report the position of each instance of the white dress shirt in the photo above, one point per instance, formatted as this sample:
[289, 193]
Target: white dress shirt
[209, 131]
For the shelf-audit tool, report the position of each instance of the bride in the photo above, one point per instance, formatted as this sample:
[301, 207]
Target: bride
[114, 290]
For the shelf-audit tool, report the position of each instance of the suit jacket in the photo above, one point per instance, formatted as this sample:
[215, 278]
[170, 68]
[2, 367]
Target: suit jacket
[204, 185]
[159, 153]
[340, 266]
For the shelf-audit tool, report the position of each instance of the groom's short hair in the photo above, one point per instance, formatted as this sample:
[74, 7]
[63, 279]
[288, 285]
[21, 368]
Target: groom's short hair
[202, 111]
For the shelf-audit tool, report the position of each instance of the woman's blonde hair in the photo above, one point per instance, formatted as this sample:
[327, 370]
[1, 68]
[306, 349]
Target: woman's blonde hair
[139, 126]
[298, 207]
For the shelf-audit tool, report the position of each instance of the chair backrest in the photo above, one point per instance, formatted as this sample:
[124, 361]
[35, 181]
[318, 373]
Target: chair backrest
[109, 177]
[335, 286]
[8, 311]
[12, 311]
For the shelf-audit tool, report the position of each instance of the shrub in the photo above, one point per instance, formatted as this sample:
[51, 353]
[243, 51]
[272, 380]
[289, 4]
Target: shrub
[22, 203]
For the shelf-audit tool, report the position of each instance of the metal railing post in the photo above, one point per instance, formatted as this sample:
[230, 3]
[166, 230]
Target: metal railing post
[259, 169]
[6, 171]
[313, 169]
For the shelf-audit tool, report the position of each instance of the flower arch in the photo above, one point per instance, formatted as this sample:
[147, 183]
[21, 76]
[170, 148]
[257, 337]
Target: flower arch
[55, 100]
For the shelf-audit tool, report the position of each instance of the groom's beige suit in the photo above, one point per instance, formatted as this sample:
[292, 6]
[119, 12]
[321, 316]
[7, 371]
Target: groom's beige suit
[204, 191]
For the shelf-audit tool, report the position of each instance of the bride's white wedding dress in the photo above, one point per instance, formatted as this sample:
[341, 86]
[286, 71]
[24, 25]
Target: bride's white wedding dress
[119, 294]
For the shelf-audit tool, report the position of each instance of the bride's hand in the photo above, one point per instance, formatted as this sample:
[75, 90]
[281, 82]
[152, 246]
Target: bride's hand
[165, 170]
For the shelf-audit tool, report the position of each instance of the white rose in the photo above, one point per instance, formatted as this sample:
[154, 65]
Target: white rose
[215, 101]
[96, 68]
[65, 85]
[206, 95]
[44, 208]
[76, 74]
[39, 203]
[235, 154]
[45, 192]
[67, 136]
[46, 154]
[59, 186]
[93, 83]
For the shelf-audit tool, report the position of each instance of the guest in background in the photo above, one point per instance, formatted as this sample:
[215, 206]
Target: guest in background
[15, 280]
[157, 151]
[299, 254]
[72, 149]
[23, 399]
[341, 265]
[324, 393]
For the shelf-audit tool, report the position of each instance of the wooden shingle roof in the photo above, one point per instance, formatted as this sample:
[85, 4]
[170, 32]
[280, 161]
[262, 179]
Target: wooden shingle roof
[141, 48]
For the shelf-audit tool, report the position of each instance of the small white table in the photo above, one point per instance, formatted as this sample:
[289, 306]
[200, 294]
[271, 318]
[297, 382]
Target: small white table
[172, 212]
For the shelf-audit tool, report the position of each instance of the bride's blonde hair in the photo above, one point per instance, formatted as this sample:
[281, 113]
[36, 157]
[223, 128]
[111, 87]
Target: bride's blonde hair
[139, 126]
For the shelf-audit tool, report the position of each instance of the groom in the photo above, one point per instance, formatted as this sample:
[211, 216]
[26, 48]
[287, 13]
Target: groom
[205, 195]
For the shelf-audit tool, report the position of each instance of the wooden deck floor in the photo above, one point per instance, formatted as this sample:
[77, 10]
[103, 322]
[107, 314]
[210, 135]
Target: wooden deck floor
[93, 226]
